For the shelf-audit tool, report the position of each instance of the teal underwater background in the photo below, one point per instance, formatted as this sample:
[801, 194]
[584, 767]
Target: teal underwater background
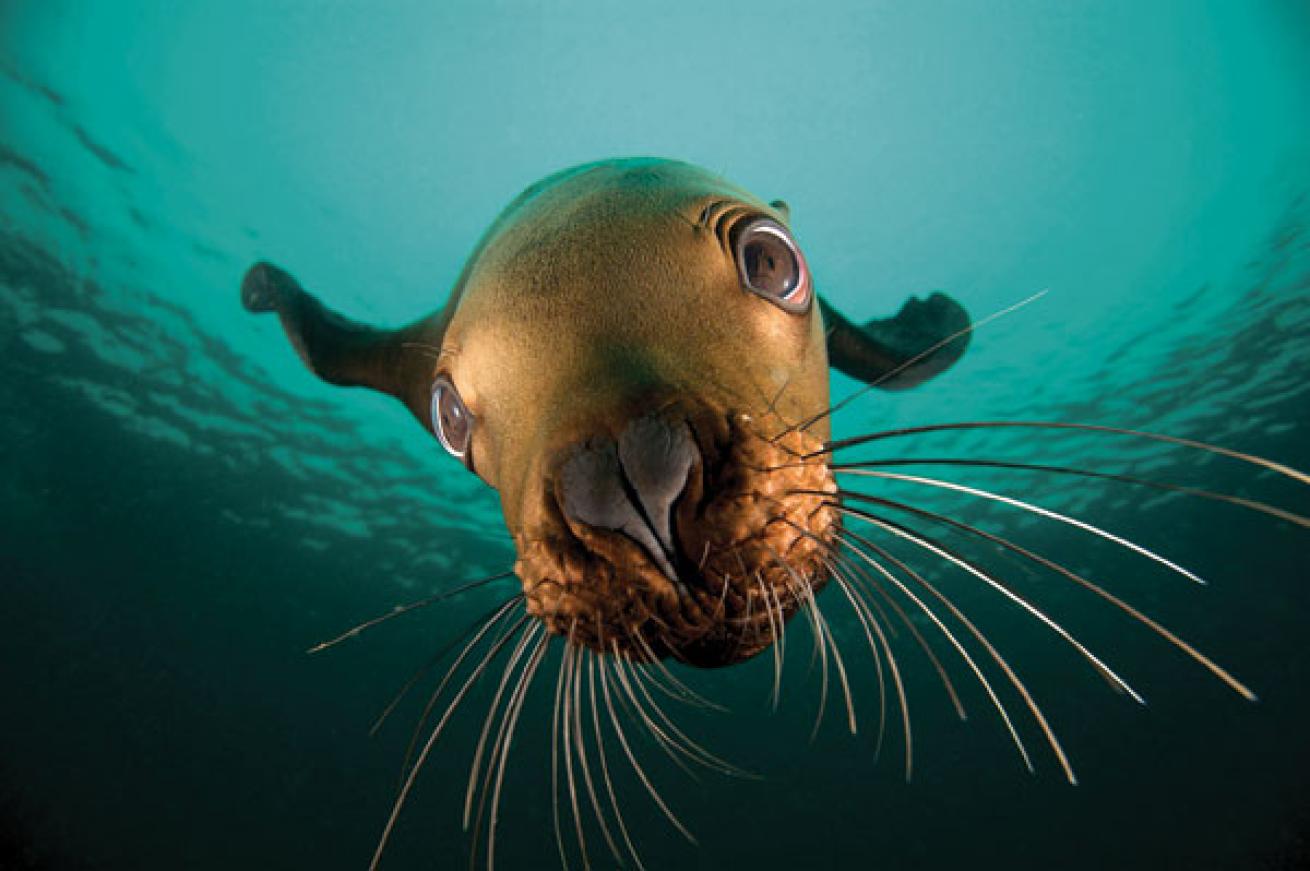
[184, 510]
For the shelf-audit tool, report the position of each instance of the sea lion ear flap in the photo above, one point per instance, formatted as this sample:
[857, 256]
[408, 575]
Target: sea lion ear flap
[880, 352]
[344, 352]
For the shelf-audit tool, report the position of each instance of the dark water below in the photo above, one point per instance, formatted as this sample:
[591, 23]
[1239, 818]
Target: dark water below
[183, 511]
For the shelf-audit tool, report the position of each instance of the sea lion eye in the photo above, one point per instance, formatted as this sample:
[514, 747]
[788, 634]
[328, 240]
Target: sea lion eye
[451, 419]
[771, 265]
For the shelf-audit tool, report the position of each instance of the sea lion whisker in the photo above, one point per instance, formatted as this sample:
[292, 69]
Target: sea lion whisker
[837, 660]
[572, 651]
[851, 538]
[680, 691]
[476, 767]
[604, 764]
[860, 578]
[432, 740]
[800, 603]
[723, 596]
[1024, 506]
[499, 615]
[1210, 665]
[1165, 486]
[427, 666]
[554, 756]
[901, 696]
[693, 751]
[772, 407]
[1281, 469]
[405, 609]
[525, 682]
[850, 542]
[633, 708]
[875, 603]
[818, 649]
[746, 622]
[580, 742]
[927, 352]
[525, 650]
[863, 616]
[779, 636]
[632, 759]
[907, 534]
[821, 639]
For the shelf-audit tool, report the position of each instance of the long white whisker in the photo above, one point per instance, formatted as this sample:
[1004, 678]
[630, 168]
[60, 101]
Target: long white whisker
[680, 691]
[405, 609]
[495, 619]
[1160, 630]
[1165, 486]
[836, 658]
[959, 648]
[630, 676]
[632, 759]
[604, 763]
[516, 708]
[1030, 507]
[899, 684]
[554, 755]
[977, 325]
[776, 631]
[859, 576]
[1041, 616]
[820, 647]
[524, 640]
[581, 744]
[1286, 471]
[864, 616]
[567, 720]
[995, 654]
[432, 740]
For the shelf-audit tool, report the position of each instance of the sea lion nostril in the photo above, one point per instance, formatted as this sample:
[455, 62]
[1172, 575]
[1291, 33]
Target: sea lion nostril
[657, 455]
[594, 490]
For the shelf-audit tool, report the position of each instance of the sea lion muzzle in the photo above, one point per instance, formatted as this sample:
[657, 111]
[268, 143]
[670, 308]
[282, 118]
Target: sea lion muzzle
[681, 537]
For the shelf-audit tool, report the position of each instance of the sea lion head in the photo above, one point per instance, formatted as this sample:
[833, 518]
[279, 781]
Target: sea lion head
[636, 359]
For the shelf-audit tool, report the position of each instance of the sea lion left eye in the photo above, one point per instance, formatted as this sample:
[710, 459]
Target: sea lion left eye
[451, 419]
[771, 265]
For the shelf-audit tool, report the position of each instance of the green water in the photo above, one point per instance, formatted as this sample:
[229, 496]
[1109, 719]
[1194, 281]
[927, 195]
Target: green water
[184, 510]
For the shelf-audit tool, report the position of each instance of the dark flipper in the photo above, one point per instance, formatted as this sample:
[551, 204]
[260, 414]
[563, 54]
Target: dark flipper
[872, 351]
[345, 352]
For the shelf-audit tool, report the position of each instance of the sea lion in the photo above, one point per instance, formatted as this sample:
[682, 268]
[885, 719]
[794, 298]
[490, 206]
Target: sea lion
[634, 357]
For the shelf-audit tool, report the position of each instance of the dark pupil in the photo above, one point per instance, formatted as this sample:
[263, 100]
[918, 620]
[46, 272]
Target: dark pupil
[452, 420]
[770, 266]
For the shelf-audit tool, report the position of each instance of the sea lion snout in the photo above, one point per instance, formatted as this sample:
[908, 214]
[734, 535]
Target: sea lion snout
[631, 485]
[679, 535]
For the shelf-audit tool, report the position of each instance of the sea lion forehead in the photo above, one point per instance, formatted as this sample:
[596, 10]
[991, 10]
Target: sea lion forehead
[589, 217]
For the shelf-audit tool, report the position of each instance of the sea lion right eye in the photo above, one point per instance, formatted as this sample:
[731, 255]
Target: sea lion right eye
[451, 419]
[771, 265]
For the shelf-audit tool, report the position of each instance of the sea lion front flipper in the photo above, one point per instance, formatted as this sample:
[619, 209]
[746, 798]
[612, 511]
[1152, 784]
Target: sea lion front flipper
[880, 347]
[345, 352]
